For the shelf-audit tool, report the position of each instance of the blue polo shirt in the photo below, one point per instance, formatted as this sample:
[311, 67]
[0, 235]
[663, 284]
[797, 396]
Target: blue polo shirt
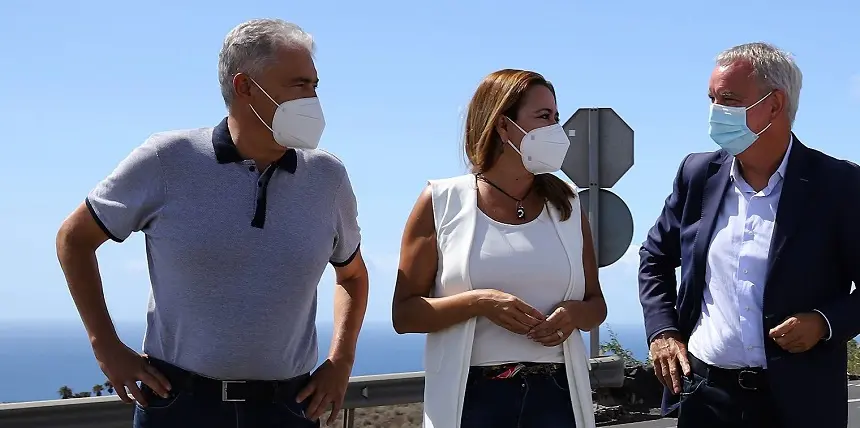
[235, 254]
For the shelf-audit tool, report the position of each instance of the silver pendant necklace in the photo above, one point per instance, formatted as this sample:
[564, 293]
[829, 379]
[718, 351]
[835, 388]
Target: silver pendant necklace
[521, 211]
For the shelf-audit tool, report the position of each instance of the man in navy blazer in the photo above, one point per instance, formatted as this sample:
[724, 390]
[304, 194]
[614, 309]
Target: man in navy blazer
[766, 232]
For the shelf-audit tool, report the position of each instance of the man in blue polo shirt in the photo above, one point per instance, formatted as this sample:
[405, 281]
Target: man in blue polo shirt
[240, 221]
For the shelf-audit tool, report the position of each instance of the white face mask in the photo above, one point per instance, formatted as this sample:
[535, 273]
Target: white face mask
[297, 124]
[542, 149]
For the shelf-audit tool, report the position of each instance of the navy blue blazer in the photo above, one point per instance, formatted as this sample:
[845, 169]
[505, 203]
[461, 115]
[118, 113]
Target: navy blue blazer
[814, 258]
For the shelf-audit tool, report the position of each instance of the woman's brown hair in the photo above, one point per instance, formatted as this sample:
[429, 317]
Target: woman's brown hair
[500, 94]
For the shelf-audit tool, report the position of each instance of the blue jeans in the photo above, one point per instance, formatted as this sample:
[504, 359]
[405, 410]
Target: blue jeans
[705, 404]
[185, 409]
[524, 401]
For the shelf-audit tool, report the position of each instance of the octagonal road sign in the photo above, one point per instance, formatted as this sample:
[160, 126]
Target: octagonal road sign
[614, 224]
[603, 130]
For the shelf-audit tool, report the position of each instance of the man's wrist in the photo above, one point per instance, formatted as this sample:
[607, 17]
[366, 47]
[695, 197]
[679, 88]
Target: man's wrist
[666, 334]
[105, 344]
[339, 356]
[103, 336]
[826, 329]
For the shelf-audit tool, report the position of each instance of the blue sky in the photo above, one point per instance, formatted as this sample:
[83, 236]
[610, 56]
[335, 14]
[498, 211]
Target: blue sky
[86, 82]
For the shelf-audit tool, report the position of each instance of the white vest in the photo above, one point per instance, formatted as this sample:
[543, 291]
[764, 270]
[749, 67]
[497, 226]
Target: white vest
[448, 352]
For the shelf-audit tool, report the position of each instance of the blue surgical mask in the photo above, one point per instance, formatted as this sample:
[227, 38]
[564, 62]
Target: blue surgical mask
[729, 127]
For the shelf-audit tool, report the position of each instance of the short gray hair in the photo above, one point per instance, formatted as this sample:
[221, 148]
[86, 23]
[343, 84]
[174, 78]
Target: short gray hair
[774, 69]
[251, 45]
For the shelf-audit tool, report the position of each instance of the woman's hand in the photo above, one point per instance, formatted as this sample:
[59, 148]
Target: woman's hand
[557, 327]
[509, 311]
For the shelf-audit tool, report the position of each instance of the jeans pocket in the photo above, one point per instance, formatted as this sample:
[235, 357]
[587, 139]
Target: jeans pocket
[155, 401]
[298, 410]
[559, 380]
[690, 384]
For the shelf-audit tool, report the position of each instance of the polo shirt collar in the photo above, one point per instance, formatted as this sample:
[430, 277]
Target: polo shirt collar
[226, 152]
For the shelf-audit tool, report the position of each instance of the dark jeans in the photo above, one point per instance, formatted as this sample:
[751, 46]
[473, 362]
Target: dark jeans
[185, 409]
[708, 404]
[528, 401]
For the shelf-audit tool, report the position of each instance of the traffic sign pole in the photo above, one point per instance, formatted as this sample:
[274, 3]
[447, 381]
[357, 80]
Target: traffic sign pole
[600, 153]
[594, 204]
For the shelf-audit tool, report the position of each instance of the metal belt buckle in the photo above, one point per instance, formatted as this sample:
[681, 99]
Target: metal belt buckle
[742, 382]
[225, 396]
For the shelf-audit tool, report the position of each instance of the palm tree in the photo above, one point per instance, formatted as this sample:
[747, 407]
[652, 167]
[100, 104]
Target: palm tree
[97, 389]
[109, 386]
[65, 392]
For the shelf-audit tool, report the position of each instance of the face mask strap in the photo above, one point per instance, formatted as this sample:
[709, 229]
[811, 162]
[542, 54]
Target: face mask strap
[264, 91]
[255, 110]
[261, 119]
[515, 124]
[521, 130]
[757, 102]
[765, 129]
[515, 148]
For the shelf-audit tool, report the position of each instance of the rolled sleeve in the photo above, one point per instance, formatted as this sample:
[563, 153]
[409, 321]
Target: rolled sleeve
[130, 197]
[348, 233]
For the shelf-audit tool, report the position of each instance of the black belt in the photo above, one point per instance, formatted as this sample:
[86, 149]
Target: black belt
[273, 391]
[748, 379]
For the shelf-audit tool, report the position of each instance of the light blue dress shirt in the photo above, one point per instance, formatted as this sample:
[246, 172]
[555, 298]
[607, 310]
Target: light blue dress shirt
[730, 333]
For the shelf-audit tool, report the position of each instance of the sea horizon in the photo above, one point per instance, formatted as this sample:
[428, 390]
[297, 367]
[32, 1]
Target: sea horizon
[39, 357]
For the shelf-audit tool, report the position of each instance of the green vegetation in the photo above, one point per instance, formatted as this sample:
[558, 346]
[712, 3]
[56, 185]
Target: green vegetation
[853, 357]
[614, 347]
[97, 391]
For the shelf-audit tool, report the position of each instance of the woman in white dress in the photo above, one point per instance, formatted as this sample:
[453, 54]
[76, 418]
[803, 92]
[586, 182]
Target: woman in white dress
[498, 267]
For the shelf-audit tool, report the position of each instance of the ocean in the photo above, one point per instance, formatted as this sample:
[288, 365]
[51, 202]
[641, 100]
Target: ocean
[36, 359]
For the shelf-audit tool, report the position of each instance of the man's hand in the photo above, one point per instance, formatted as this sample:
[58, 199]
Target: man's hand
[556, 328]
[667, 353]
[327, 386]
[124, 367]
[799, 333]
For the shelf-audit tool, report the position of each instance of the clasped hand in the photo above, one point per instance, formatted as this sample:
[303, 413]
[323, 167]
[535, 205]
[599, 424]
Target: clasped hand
[517, 316]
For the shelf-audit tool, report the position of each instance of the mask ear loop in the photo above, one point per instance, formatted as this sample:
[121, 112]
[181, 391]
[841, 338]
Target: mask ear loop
[521, 130]
[755, 104]
[255, 110]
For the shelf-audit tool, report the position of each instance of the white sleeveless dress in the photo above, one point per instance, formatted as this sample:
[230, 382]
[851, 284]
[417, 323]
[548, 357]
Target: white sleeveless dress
[448, 352]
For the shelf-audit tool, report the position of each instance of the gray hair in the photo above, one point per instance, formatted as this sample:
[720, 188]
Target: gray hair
[252, 45]
[774, 69]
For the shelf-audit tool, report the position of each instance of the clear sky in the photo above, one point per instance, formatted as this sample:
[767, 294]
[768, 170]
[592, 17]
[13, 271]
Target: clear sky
[85, 82]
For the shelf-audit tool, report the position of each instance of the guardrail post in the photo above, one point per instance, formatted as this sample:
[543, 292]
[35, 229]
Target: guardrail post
[348, 418]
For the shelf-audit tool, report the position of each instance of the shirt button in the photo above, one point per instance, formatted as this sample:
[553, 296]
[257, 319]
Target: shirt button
[746, 271]
[252, 168]
[747, 308]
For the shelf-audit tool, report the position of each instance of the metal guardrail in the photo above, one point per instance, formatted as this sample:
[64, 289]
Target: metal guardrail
[363, 391]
